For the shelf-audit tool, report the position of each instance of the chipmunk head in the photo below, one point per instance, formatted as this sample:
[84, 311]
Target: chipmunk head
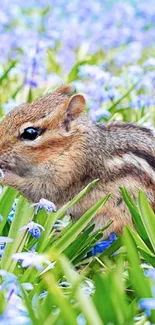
[35, 136]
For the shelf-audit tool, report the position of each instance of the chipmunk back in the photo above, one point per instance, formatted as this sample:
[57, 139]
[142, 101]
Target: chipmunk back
[50, 148]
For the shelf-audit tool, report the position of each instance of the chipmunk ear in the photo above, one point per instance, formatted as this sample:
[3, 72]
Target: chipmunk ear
[65, 90]
[74, 108]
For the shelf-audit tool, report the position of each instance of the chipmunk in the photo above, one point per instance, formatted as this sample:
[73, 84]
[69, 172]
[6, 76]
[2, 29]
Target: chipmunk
[51, 149]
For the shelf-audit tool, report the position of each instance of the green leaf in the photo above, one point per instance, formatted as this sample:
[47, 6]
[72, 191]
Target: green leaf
[6, 200]
[139, 282]
[29, 306]
[148, 217]
[60, 213]
[136, 216]
[86, 305]
[79, 242]
[139, 242]
[23, 215]
[73, 74]
[73, 232]
[147, 257]
[107, 289]
[66, 311]
[5, 74]
[54, 66]
[42, 243]
[112, 108]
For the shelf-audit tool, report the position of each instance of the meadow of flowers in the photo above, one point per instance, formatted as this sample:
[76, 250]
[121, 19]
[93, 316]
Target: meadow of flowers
[54, 271]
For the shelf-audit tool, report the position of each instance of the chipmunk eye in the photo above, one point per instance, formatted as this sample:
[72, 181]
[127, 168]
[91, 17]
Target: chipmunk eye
[30, 134]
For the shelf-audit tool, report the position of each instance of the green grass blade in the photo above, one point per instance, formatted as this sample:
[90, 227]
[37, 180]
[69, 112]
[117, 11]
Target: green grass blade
[139, 242]
[139, 282]
[60, 213]
[67, 312]
[5, 74]
[75, 230]
[136, 216]
[22, 216]
[148, 216]
[6, 200]
[87, 306]
[112, 108]
[147, 257]
[28, 304]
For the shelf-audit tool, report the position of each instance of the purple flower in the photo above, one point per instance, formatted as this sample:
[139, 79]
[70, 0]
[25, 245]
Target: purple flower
[46, 204]
[33, 228]
[142, 101]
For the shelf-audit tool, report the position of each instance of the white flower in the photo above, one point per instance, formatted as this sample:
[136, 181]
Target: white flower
[46, 204]
[33, 228]
[31, 259]
[5, 240]
[31, 225]
[61, 224]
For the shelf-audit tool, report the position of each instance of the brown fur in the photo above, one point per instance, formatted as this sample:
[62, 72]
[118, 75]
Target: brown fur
[72, 151]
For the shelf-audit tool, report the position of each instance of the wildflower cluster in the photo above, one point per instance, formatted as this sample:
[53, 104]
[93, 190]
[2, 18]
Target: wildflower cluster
[109, 50]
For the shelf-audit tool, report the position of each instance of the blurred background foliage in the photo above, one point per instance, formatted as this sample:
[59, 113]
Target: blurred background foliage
[105, 48]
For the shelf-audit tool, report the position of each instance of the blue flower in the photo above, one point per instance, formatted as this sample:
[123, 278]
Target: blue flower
[15, 311]
[81, 320]
[46, 204]
[12, 211]
[4, 240]
[33, 228]
[150, 273]
[101, 246]
[147, 304]
[2, 246]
